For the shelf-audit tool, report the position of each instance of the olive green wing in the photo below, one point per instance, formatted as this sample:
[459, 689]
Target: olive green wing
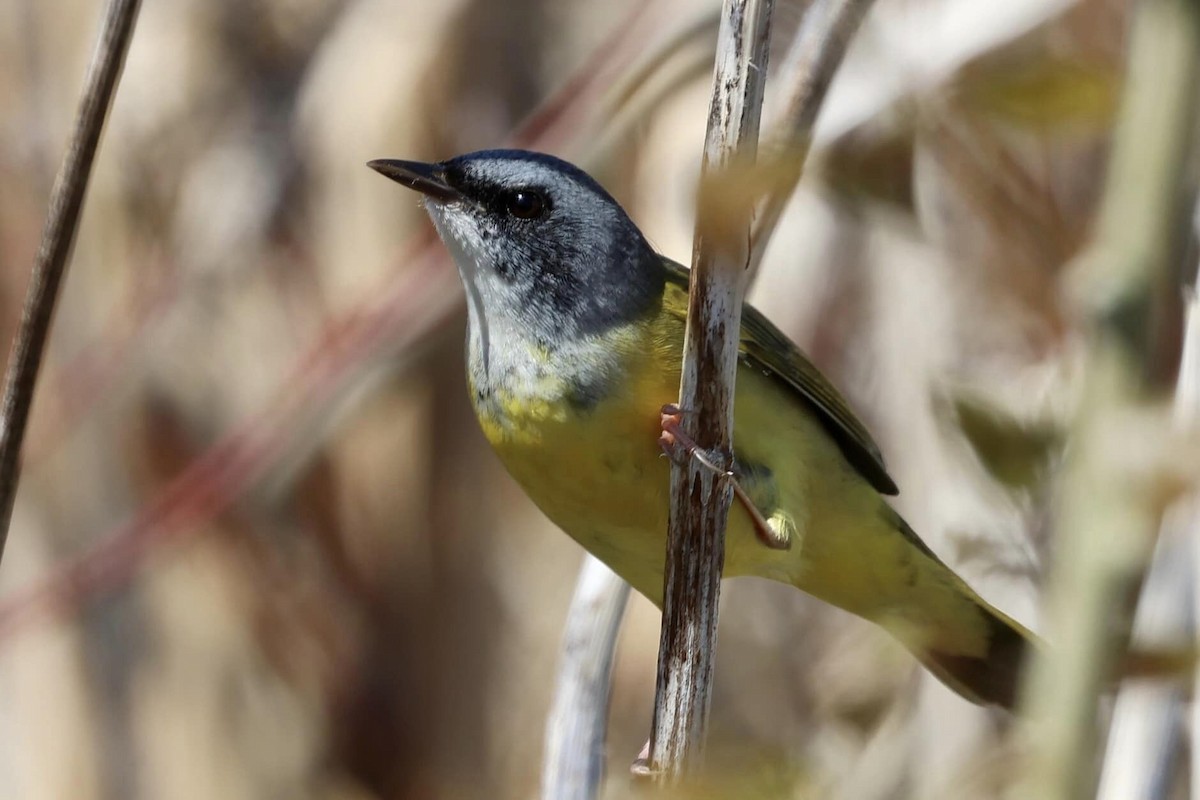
[765, 348]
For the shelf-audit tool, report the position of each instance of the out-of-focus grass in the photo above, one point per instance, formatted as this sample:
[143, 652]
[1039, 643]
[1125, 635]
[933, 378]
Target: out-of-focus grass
[375, 612]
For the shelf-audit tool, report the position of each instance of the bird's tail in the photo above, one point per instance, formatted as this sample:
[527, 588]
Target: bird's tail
[982, 661]
[990, 678]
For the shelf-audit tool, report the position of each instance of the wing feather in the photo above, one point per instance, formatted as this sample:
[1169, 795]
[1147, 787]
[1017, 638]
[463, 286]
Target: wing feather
[765, 348]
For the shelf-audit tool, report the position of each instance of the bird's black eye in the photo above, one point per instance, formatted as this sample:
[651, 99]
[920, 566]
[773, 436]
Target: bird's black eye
[525, 204]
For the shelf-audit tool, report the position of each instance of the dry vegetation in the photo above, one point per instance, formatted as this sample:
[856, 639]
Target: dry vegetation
[260, 548]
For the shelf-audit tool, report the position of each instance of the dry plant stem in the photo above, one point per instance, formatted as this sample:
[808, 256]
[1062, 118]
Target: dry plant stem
[1187, 406]
[812, 61]
[66, 202]
[1144, 738]
[1187, 387]
[1106, 524]
[699, 499]
[575, 728]
[1144, 741]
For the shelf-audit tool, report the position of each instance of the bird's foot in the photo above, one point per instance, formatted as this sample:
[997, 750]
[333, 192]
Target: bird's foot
[679, 447]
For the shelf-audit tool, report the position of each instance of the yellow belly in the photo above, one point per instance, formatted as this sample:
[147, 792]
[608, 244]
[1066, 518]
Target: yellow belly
[601, 477]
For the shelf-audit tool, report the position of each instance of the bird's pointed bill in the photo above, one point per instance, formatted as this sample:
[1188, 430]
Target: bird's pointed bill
[428, 179]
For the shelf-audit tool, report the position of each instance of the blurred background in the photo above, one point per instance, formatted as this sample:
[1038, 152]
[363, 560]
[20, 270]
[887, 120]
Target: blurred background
[261, 549]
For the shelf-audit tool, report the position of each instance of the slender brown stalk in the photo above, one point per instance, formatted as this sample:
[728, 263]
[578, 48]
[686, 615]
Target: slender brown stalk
[66, 202]
[700, 499]
[1107, 520]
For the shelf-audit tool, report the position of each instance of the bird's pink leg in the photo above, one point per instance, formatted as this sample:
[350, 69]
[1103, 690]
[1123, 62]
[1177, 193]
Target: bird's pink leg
[679, 447]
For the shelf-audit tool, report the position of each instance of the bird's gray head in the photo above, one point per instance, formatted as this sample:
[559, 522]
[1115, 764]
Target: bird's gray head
[539, 243]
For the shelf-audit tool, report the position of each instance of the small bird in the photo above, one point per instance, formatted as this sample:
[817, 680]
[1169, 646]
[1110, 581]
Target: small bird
[574, 349]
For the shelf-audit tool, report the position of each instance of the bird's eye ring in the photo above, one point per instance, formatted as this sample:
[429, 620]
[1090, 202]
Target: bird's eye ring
[525, 204]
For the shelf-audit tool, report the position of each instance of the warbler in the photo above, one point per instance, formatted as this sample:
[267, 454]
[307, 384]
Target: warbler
[574, 346]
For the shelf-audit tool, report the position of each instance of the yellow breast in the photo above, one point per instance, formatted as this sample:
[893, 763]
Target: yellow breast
[599, 474]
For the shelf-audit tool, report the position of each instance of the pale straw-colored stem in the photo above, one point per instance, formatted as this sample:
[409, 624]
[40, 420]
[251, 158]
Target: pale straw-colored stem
[1106, 521]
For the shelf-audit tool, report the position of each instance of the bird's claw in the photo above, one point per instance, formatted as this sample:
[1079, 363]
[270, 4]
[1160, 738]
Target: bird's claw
[679, 447]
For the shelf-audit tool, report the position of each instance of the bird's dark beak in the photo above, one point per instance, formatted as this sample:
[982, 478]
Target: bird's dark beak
[428, 179]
